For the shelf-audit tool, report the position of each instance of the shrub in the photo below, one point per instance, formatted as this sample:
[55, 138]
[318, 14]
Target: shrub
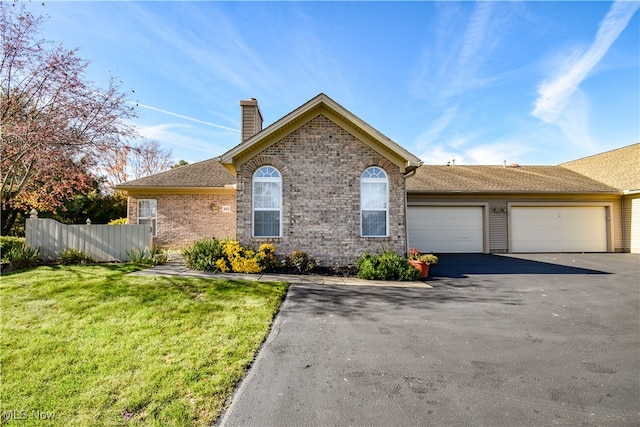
[71, 256]
[267, 257]
[20, 257]
[119, 221]
[7, 243]
[203, 254]
[430, 259]
[241, 259]
[153, 256]
[300, 261]
[386, 266]
[223, 256]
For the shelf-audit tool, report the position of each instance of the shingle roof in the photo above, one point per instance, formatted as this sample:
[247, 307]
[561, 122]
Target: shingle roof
[206, 174]
[618, 168]
[498, 179]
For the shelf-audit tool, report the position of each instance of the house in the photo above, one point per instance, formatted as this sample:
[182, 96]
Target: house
[322, 180]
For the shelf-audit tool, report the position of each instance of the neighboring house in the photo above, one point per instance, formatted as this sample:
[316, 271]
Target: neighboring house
[185, 204]
[323, 181]
[619, 169]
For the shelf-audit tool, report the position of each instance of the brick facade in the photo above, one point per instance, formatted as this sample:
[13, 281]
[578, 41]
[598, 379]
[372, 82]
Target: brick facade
[184, 218]
[321, 165]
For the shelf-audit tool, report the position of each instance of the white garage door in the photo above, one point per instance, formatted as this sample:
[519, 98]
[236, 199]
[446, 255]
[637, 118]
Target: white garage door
[558, 229]
[445, 228]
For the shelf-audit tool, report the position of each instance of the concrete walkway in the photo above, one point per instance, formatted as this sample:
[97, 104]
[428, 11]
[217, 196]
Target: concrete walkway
[177, 267]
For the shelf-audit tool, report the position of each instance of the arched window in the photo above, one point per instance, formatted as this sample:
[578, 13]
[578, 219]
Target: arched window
[267, 202]
[374, 203]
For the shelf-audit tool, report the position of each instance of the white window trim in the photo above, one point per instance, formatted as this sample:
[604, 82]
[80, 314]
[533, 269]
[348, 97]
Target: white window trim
[253, 210]
[154, 229]
[364, 180]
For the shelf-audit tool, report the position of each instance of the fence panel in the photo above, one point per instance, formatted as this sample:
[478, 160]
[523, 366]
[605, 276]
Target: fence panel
[101, 242]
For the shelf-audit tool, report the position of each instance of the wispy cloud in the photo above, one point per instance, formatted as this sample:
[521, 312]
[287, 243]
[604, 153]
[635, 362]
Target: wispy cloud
[434, 131]
[555, 93]
[174, 135]
[182, 116]
[452, 64]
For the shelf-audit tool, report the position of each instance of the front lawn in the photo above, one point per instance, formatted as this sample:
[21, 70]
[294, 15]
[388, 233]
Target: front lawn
[88, 345]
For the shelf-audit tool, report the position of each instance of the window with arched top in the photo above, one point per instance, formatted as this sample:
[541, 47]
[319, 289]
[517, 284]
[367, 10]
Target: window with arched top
[267, 202]
[374, 203]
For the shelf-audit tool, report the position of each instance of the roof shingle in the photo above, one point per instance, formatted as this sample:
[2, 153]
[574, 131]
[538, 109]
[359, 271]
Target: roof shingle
[206, 174]
[499, 179]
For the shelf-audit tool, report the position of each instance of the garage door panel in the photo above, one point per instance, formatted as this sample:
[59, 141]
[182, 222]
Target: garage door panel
[445, 229]
[558, 229]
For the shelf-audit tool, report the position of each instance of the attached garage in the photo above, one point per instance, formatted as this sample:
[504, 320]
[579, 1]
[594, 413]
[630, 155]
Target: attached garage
[558, 228]
[442, 229]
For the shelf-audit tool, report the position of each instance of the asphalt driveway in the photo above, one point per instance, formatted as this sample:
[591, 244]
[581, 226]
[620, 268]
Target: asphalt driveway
[499, 341]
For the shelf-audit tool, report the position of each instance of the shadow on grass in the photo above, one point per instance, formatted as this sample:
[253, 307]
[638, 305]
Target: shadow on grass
[462, 265]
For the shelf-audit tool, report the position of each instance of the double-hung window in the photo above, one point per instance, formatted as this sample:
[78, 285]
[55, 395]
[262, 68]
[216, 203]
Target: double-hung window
[374, 202]
[267, 202]
[148, 213]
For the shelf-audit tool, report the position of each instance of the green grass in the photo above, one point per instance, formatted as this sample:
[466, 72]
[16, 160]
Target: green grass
[93, 346]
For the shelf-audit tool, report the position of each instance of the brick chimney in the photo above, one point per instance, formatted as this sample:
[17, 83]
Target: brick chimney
[251, 118]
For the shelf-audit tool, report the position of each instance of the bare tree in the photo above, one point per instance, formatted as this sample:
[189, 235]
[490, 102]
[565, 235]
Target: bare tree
[148, 157]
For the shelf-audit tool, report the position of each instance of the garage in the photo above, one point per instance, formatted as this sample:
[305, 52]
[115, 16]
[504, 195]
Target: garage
[558, 229]
[442, 229]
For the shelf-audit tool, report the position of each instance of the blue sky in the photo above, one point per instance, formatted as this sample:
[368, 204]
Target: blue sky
[525, 82]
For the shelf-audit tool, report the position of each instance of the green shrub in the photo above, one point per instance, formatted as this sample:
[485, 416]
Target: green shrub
[71, 256]
[7, 243]
[300, 261]
[386, 266]
[153, 256]
[20, 257]
[203, 254]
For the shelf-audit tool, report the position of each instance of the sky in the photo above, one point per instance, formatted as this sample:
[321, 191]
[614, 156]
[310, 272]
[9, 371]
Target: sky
[475, 82]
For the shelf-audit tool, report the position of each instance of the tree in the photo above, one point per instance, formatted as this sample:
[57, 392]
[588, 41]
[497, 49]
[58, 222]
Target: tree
[181, 162]
[54, 122]
[134, 161]
[148, 157]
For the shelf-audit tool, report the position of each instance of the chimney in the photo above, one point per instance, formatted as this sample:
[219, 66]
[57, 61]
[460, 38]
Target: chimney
[250, 119]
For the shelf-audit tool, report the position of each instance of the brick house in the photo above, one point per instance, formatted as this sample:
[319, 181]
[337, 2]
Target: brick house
[322, 180]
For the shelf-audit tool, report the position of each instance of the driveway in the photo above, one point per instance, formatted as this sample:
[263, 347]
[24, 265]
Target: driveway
[548, 339]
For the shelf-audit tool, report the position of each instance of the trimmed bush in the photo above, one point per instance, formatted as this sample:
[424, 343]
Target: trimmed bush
[386, 266]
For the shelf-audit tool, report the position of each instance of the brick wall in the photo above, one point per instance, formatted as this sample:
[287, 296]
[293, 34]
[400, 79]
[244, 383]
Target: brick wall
[185, 218]
[321, 165]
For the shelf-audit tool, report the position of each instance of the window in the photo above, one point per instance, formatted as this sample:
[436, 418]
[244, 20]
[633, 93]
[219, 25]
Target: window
[148, 213]
[267, 202]
[374, 201]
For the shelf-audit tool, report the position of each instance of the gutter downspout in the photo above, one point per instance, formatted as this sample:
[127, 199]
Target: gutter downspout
[406, 196]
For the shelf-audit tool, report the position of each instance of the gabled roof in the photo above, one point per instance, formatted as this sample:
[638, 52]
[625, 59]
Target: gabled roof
[499, 179]
[618, 168]
[208, 174]
[326, 106]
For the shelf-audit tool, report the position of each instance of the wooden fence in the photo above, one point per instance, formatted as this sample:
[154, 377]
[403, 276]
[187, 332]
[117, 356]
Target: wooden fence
[101, 242]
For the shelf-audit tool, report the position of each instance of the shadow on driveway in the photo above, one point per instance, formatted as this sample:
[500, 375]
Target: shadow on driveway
[462, 265]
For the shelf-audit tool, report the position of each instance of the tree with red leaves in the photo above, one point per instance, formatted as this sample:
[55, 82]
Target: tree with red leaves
[54, 123]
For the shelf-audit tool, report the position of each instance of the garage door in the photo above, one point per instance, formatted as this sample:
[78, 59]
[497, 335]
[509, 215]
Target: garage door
[558, 229]
[445, 228]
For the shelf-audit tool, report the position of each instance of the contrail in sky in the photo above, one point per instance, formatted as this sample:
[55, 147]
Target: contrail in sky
[181, 116]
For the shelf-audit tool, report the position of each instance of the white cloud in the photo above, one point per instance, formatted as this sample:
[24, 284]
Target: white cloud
[555, 93]
[497, 153]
